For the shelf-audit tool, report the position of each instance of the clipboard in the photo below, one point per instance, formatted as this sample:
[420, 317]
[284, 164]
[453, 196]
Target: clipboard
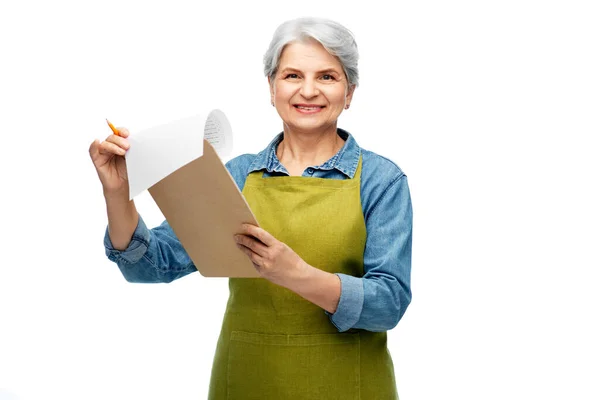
[205, 208]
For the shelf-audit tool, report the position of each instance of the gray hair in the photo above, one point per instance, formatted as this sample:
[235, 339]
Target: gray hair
[334, 37]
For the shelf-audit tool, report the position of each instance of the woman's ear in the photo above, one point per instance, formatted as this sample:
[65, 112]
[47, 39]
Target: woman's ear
[349, 95]
[272, 90]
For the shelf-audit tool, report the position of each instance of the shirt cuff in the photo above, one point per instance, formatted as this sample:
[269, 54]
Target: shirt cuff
[137, 247]
[351, 303]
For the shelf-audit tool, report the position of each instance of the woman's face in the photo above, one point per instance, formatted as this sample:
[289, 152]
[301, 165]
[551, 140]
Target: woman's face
[310, 89]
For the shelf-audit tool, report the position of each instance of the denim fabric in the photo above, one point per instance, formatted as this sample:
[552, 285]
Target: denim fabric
[377, 300]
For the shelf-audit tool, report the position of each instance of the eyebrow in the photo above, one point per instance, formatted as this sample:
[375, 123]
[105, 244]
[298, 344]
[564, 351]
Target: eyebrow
[323, 71]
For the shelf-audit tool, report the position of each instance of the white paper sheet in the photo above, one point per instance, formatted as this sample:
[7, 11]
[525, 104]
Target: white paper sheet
[156, 152]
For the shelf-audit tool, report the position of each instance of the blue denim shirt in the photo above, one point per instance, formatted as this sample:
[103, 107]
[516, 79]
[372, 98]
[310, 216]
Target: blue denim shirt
[377, 300]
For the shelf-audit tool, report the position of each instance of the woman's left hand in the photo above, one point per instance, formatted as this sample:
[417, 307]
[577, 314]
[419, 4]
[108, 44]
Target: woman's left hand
[274, 260]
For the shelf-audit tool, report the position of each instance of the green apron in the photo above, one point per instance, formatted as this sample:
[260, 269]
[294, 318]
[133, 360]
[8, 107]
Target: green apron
[274, 344]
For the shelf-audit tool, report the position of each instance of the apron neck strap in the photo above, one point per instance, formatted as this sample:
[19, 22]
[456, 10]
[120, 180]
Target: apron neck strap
[358, 168]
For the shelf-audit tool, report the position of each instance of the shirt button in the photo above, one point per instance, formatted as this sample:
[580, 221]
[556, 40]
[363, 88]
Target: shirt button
[310, 171]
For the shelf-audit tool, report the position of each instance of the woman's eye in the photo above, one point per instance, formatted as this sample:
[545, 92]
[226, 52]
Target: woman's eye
[292, 76]
[328, 77]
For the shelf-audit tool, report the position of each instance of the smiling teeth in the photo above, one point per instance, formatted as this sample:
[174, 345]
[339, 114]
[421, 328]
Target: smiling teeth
[308, 108]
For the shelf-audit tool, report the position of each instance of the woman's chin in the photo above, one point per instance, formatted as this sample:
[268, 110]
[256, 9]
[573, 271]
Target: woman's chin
[308, 125]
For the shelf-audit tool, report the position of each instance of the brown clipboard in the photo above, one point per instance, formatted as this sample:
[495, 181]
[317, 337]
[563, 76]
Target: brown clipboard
[205, 208]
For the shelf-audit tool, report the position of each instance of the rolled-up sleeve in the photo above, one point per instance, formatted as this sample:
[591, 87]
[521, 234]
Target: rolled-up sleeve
[136, 249]
[152, 256]
[378, 300]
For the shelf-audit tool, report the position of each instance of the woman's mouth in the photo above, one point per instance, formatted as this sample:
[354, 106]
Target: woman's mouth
[308, 108]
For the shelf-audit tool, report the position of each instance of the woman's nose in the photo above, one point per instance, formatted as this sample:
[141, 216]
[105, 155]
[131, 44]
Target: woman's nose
[309, 89]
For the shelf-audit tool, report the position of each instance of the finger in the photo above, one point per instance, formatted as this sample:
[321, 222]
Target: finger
[107, 147]
[255, 258]
[124, 132]
[252, 244]
[119, 141]
[94, 147]
[259, 233]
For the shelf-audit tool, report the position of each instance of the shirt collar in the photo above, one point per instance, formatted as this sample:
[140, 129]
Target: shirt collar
[345, 160]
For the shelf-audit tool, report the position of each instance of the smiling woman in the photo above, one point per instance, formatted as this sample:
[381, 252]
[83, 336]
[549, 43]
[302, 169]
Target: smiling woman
[311, 90]
[333, 248]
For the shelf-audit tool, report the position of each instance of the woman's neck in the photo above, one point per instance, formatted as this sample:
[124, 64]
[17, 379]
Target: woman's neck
[297, 151]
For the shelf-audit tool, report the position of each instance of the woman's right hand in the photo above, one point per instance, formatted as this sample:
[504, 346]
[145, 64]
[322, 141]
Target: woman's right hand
[109, 159]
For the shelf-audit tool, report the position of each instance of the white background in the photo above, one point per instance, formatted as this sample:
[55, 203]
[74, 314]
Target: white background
[491, 109]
